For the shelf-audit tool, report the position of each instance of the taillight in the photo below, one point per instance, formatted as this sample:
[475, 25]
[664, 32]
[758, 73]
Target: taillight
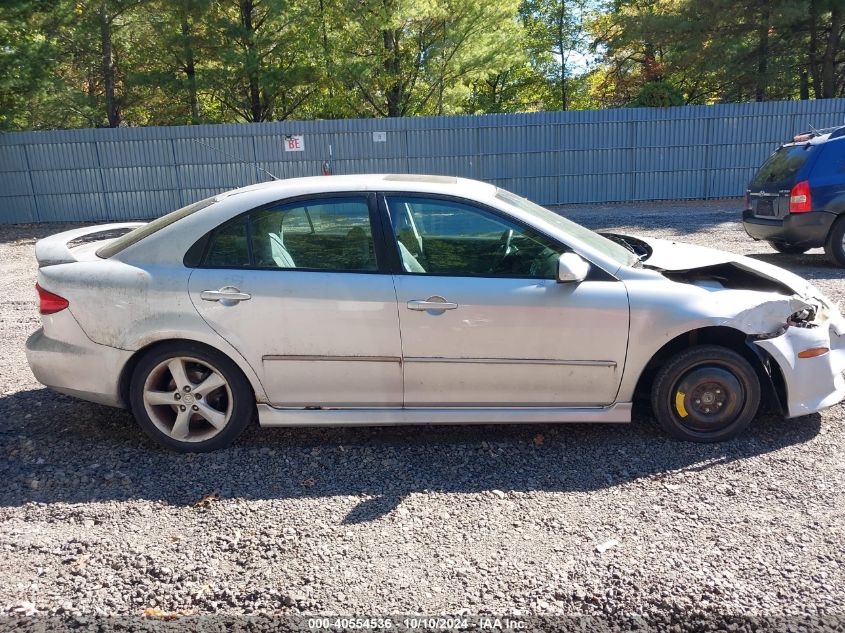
[799, 198]
[49, 303]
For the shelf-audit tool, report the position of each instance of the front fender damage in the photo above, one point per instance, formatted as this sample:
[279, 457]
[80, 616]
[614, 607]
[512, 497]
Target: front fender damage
[771, 317]
[779, 330]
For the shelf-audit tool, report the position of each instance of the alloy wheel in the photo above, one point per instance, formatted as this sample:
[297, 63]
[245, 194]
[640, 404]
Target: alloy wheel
[187, 399]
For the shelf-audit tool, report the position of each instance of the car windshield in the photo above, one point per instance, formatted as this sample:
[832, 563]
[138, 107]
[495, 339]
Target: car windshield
[136, 235]
[613, 250]
[781, 167]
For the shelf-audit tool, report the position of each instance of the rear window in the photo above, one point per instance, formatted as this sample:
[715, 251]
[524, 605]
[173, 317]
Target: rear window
[782, 166]
[136, 235]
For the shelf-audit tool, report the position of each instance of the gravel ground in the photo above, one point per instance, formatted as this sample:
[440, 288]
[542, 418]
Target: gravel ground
[612, 521]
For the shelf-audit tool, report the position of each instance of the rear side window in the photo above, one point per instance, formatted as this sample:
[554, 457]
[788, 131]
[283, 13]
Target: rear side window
[332, 234]
[229, 247]
[136, 235]
[781, 167]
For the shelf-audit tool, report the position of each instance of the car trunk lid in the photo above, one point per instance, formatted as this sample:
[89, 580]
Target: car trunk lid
[78, 244]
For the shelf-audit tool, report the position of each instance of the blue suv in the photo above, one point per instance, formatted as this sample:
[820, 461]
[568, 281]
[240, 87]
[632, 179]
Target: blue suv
[797, 199]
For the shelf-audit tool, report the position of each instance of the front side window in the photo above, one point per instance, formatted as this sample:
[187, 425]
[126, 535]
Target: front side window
[446, 237]
[320, 234]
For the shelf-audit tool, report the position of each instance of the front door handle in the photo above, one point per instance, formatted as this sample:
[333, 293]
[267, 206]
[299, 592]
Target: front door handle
[435, 303]
[228, 295]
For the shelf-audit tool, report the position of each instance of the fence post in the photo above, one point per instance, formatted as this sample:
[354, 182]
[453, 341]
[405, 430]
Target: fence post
[632, 157]
[31, 184]
[708, 131]
[178, 177]
[407, 152]
[106, 210]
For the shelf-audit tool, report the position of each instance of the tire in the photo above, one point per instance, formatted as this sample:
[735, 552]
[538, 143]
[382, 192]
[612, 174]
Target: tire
[788, 249]
[706, 393]
[834, 247]
[170, 407]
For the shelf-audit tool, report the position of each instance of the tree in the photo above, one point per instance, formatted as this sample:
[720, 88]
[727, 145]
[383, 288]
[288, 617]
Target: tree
[172, 59]
[264, 71]
[657, 94]
[86, 63]
[556, 31]
[832, 48]
[421, 57]
[517, 89]
[100, 24]
[720, 50]
[26, 63]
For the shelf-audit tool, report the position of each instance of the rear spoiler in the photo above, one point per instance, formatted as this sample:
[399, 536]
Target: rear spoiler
[54, 249]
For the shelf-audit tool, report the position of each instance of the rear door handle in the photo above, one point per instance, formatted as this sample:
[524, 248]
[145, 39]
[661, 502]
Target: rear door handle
[432, 303]
[226, 295]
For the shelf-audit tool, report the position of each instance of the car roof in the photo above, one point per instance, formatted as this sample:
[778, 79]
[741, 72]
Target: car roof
[816, 137]
[423, 183]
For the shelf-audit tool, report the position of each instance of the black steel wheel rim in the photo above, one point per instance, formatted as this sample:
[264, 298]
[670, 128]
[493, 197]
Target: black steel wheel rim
[708, 398]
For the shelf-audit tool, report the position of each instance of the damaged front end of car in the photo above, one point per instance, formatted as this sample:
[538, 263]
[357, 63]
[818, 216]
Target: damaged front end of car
[795, 328]
[809, 350]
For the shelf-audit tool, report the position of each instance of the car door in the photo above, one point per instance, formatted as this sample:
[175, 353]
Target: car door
[296, 288]
[483, 321]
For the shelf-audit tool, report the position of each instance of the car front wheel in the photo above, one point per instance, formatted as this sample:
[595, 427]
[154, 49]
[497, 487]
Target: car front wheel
[190, 398]
[706, 393]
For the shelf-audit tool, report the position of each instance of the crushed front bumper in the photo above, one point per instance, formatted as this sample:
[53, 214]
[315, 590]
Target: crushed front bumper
[812, 384]
[64, 359]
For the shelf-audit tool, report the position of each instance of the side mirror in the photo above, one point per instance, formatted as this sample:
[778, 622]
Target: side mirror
[571, 269]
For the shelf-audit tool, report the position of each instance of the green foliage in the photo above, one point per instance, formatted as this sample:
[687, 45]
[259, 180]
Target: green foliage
[408, 57]
[84, 63]
[657, 94]
[557, 37]
[718, 51]
[24, 67]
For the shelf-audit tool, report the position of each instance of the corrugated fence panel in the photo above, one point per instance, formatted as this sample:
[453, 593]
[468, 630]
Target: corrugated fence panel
[146, 204]
[136, 153]
[15, 183]
[12, 158]
[591, 156]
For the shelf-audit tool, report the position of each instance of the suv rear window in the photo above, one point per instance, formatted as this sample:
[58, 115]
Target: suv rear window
[136, 235]
[782, 166]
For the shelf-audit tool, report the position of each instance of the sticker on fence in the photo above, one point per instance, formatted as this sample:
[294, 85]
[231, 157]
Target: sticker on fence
[294, 143]
[379, 137]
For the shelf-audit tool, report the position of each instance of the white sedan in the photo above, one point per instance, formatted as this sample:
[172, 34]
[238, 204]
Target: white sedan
[404, 299]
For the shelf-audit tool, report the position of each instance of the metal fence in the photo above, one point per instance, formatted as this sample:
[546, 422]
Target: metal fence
[550, 157]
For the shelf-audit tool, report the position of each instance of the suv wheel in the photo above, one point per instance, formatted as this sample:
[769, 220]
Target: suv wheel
[788, 249]
[706, 393]
[835, 245]
[190, 398]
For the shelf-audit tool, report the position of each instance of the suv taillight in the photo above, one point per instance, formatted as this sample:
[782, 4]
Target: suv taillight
[49, 303]
[800, 200]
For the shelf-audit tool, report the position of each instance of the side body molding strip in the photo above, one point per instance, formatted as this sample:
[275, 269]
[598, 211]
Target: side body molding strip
[435, 359]
[275, 416]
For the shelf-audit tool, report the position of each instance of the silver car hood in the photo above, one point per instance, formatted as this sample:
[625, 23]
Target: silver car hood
[679, 257]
